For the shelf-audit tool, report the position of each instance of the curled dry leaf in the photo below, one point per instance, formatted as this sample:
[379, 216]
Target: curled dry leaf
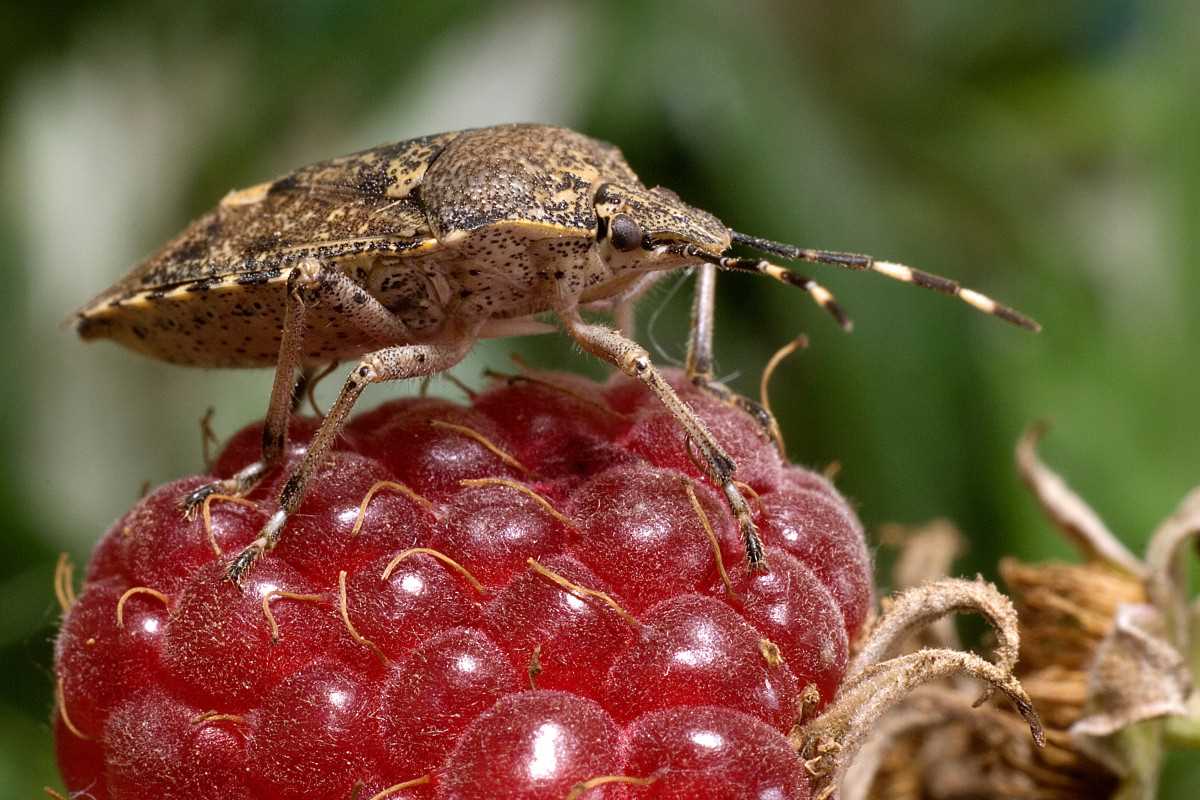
[1166, 581]
[1136, 676]
[1105, 648]
[926, 552]
[920, 606]
[938, 744]
[830, 742]
[1082, 526]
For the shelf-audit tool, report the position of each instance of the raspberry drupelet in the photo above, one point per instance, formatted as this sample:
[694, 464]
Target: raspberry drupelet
[538, 595]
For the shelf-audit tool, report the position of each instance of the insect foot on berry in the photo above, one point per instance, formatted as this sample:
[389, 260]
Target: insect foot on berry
[406, 254]
[538, 595]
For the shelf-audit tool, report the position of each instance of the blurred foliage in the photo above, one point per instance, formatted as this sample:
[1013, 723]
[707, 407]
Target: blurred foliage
[1043, 153]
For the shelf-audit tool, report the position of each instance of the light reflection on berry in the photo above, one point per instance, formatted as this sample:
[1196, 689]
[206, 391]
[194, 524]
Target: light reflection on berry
[710, 739]
[546, 739]
[338, 698]
[668, 679]
[412, 584]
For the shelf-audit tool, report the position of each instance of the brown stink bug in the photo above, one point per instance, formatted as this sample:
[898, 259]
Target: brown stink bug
[404, 255]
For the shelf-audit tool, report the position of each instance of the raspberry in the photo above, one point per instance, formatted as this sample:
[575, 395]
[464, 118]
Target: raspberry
[537, 596]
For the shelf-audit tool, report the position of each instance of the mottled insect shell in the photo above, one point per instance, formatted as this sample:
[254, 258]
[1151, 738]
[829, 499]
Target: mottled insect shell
[406, 254]
[453, 229]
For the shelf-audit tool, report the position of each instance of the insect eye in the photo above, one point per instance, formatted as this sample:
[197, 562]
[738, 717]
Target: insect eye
[624, 233]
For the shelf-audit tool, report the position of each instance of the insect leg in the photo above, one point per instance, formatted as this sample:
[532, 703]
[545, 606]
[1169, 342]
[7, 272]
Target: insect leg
[309, 283]
[700, 340]
[699, 362]
[388, 364]
[302, 387]
[283, 391]
[632, 359]
[623, 317]
[899, 272]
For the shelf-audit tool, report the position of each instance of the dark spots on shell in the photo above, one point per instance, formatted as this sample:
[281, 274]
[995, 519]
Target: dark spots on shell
[139, 332]
[190, 249]
[263, 243]
[372, 181]
[559, 274]
[360, 297]
[284, 184]
[258, 277]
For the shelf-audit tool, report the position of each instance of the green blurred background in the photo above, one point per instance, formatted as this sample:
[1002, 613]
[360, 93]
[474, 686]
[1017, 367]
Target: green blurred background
[1045, 153]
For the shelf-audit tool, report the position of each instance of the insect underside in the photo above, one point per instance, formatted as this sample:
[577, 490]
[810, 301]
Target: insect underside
[404, 255]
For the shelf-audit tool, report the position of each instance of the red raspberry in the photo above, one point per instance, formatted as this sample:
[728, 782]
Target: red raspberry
[523, 598]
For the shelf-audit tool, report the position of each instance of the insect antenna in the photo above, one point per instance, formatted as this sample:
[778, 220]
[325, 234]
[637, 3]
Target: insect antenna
[822, 296]
[899, 272]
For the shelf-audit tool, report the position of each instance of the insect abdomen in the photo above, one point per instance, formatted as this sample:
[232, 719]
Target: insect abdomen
[236, 326]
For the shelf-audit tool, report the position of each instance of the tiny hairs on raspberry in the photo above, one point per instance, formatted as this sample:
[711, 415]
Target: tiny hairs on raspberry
[536, 595]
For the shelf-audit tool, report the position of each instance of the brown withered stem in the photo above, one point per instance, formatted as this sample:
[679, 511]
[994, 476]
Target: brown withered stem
[1108, 653]
[831, 743]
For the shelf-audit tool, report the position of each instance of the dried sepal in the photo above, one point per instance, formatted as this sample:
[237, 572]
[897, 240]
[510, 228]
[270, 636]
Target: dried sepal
[861, 772]
[1066, 609]
[926, 552]
[1136, 676]
[1166, 582]
[1082, 526]
[937, 744]
[920, 606]
[830, 742]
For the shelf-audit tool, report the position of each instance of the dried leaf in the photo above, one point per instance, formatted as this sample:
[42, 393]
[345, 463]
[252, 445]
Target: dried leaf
[1136, 675]
[918, 607]
[1074, 517]
[1167, 580]
[830, 742]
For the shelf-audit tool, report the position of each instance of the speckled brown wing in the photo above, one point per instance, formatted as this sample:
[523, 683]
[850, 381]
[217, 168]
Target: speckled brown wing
[213, 295]
[355, 204]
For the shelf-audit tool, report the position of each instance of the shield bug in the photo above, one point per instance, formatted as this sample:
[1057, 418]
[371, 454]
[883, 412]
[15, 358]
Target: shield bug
[402, 256]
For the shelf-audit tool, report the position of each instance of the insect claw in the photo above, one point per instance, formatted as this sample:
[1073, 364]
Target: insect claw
[241, 564]
[191, 502]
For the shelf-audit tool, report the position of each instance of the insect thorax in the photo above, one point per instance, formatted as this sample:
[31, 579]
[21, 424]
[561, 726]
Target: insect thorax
[502, 271]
